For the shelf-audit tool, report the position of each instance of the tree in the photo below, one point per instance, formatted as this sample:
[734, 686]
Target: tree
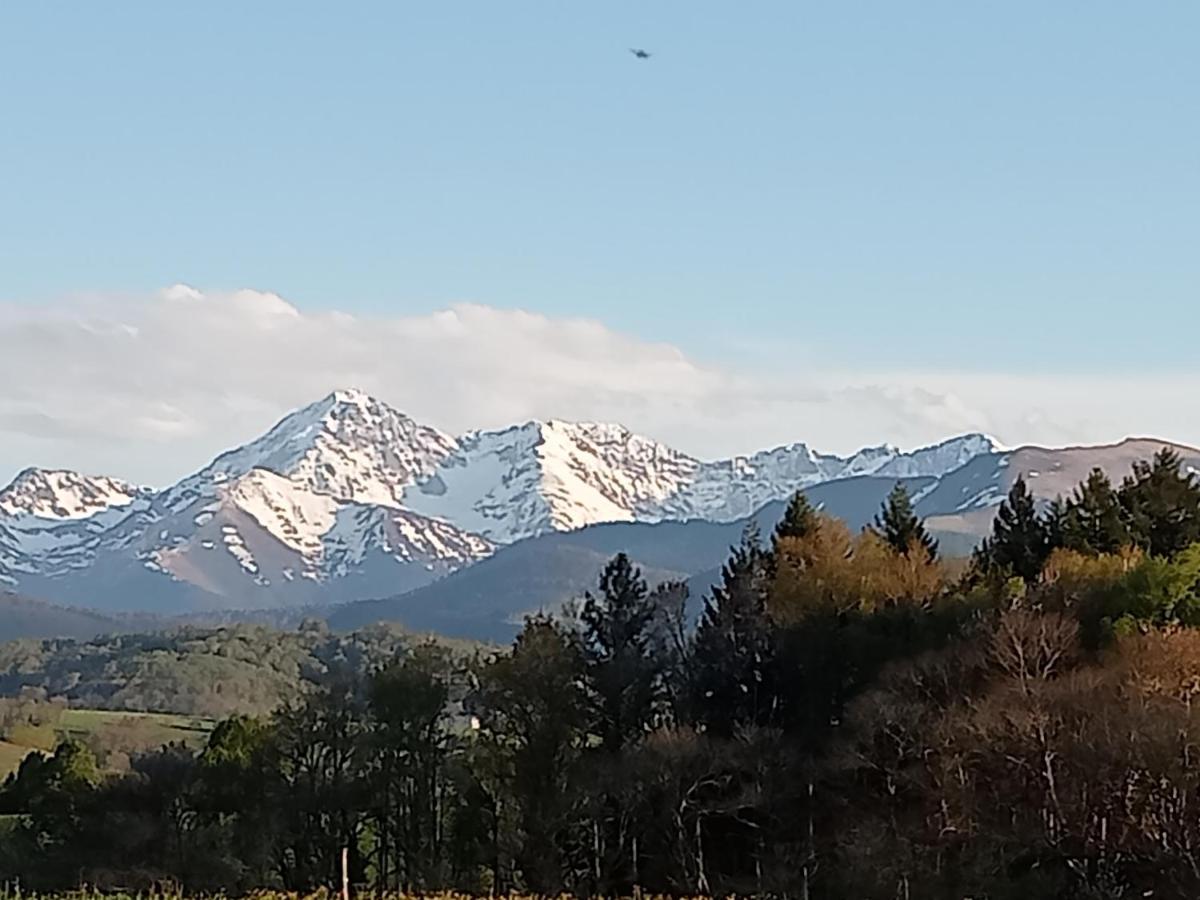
[627, 680]
[319, 752]
[1163, 504]
[733, 645]
[236, 792]
[409, 702]
[53, 793]
[1058, 523]
[532, 712]
[799, 520]
[1094, 521]
[1019, 543]
[620, 640]
[900, 526]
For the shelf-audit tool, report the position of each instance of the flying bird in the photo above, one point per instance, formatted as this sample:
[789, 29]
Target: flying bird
[639, 53]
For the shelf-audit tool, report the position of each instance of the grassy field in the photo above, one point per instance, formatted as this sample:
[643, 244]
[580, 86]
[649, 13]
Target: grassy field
[115, 734]
[189, 729]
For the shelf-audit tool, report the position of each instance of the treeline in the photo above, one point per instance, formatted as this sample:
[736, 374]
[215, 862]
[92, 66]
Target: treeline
[198, 671]
[852, 717]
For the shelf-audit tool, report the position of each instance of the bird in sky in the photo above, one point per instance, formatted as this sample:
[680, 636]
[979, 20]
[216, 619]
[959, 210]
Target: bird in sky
[639, 53]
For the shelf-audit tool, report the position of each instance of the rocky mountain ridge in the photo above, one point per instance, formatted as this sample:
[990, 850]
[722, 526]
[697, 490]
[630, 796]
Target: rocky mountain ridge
[348, 498]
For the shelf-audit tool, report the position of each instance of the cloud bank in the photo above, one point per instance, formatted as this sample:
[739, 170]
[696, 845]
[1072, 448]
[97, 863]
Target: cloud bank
[150, 388]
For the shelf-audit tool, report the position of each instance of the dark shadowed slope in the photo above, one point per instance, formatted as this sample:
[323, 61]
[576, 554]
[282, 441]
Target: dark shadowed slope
[488, 600]
[21, 617]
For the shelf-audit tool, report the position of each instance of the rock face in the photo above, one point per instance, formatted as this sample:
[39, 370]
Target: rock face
[559, 476]
[348, 498]
[310, 511]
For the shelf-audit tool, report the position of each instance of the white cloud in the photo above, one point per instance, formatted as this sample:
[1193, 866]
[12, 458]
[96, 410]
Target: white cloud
[151, 388]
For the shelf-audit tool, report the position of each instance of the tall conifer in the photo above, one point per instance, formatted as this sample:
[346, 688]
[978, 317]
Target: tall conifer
[899, 525]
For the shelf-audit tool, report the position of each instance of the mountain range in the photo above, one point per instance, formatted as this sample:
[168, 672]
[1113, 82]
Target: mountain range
[348, 499]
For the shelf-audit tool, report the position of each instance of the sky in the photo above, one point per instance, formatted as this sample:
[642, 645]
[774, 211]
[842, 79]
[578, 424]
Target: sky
[845, 224]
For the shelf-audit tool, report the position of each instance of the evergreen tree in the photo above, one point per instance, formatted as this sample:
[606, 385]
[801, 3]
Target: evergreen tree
[1162, 503]
[733, 645]
[1058, 523]
[620, 637]
[1094, 521]
[900, 526]
[799, 520]
[1020, 542]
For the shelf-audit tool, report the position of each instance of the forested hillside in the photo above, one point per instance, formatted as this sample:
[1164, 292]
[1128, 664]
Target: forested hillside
[200, 671]
[851, 718]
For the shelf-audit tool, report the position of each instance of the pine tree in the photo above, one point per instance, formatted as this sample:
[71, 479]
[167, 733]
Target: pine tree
[799, 520]
[1094, 521]
[619, 642]
[1058, 523]
[900, 526]
[1162, 503]
[733, 645]
[1019, 543]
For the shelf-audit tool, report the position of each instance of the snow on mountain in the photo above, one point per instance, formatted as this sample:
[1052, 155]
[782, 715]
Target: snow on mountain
[56, 495]
[316, 495]
[49, 519]
[402, 536]
[347, 445]
[298, 517]
[938, 459]
[558, 476]
[549, 476]
[348, 497]
[10, 557]
[263, 541]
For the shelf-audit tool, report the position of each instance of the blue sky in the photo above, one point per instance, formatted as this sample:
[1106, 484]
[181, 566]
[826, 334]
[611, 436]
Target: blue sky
[936, 187]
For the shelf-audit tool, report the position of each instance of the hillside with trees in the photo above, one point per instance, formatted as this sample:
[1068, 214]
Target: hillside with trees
[853, 717]
[198, 671]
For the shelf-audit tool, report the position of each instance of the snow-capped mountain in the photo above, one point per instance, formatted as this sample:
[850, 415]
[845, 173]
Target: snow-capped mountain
[49, 517]
[348, 497]
[347, 445]
[558, 476]
[56, 496]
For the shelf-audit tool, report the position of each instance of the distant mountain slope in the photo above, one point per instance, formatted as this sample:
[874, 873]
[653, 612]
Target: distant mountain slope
[559, 476]
[309, 510]
[21, 617]
[349, 498]
[488, 600]
[54, 495]
[964, 501]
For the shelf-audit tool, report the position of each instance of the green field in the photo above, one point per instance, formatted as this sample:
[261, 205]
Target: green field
[190, 729]
[111, 730]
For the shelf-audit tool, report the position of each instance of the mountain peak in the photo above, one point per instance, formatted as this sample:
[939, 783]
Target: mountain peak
[347, 445]
[348, 496]
[354, 397]
[62, 494]
[976, 440]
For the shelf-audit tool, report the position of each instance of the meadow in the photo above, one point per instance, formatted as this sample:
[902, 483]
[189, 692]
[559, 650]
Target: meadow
[114, 735]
